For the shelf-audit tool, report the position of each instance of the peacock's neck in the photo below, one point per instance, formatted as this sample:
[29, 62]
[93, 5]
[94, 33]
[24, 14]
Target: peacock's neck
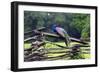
[53, 29]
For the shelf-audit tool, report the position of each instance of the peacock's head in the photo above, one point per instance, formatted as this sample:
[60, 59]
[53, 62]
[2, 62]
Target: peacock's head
[54, 25]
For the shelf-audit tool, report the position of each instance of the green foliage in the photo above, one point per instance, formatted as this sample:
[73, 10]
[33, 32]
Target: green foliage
[76, 24]
[86, 30]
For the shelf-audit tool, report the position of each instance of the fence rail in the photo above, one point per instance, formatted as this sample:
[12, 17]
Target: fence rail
[35, 53]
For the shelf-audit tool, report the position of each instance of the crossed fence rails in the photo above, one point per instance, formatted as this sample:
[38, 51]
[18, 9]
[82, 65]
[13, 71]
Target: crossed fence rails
[35, 53]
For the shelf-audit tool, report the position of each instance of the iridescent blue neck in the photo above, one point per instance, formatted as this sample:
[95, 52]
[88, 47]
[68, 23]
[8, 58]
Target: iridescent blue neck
[53, 28]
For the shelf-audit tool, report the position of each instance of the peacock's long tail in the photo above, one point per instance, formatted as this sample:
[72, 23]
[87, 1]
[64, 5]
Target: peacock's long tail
[67, 41]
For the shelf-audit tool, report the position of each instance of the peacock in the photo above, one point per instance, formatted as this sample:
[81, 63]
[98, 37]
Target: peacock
[62, 33]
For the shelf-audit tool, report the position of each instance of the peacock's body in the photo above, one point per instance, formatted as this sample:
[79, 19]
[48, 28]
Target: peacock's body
[60, 31]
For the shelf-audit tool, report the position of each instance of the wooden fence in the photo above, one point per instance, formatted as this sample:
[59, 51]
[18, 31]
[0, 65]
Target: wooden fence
[35, 53]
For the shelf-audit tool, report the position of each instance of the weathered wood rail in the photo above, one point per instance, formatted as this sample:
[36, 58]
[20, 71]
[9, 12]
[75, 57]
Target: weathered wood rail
[54, 35]
[34, 53]
[41, 54]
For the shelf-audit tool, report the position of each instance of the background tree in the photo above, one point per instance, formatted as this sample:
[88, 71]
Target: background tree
[77, 25]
